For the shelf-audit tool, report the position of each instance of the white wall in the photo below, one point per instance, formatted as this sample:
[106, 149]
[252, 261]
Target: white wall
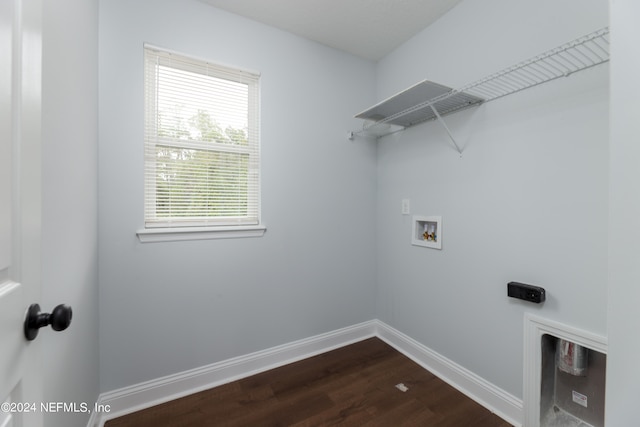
[526, 202]
[623, 369]
[168, 307]
[70, 202]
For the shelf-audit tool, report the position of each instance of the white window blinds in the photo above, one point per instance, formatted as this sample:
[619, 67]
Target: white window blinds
[201, 143]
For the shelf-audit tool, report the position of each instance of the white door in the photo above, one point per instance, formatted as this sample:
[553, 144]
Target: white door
[20, 194]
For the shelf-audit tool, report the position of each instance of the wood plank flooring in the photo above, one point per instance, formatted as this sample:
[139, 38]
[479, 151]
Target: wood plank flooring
[350, 386]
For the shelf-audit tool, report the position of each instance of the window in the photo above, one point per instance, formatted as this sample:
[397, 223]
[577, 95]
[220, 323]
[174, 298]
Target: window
[201, 144]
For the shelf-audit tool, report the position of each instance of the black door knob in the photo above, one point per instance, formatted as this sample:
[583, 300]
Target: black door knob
[59, 319]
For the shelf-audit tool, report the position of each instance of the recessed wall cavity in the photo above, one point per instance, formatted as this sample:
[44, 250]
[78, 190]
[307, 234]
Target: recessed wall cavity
[572, 389]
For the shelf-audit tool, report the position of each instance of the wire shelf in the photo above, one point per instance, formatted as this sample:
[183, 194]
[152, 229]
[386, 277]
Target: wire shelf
[577, 55]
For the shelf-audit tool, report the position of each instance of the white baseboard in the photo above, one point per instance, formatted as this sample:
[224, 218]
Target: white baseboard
[495, 399]
[144, 395]
[94, 419]
[134, 398]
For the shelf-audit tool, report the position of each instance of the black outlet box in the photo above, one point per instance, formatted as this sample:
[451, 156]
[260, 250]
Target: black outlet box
[526, 292]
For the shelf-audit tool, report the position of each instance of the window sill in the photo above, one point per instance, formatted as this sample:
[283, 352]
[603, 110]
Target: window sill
[152, 235]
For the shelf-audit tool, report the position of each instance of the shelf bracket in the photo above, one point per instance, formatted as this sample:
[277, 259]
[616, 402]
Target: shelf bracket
[444, 125]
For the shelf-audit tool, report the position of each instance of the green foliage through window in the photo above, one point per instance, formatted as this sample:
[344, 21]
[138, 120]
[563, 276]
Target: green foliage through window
[196, 183]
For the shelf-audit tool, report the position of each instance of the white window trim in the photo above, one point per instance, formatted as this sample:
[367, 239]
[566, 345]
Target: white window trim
[154, 235]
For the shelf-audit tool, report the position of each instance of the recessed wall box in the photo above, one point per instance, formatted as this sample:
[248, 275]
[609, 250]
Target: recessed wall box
[526, 292]
[427, 231]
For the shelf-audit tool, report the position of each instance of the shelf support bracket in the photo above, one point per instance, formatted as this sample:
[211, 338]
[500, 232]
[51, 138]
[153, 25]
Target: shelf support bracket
[444, 125]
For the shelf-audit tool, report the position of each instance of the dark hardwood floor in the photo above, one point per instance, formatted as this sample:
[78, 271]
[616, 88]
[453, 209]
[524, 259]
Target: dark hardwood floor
[350, 386]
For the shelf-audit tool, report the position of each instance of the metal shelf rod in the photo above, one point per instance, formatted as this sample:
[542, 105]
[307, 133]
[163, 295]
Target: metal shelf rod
[446, 128]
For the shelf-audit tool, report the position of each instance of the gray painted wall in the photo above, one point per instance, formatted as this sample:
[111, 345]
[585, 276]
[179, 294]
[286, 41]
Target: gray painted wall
[70, 203]
[526, 202]
[623, 369]
[505, 143]
[168, 307]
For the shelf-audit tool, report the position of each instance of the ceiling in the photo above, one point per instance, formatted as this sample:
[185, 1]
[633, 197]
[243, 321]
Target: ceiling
[366, 28]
